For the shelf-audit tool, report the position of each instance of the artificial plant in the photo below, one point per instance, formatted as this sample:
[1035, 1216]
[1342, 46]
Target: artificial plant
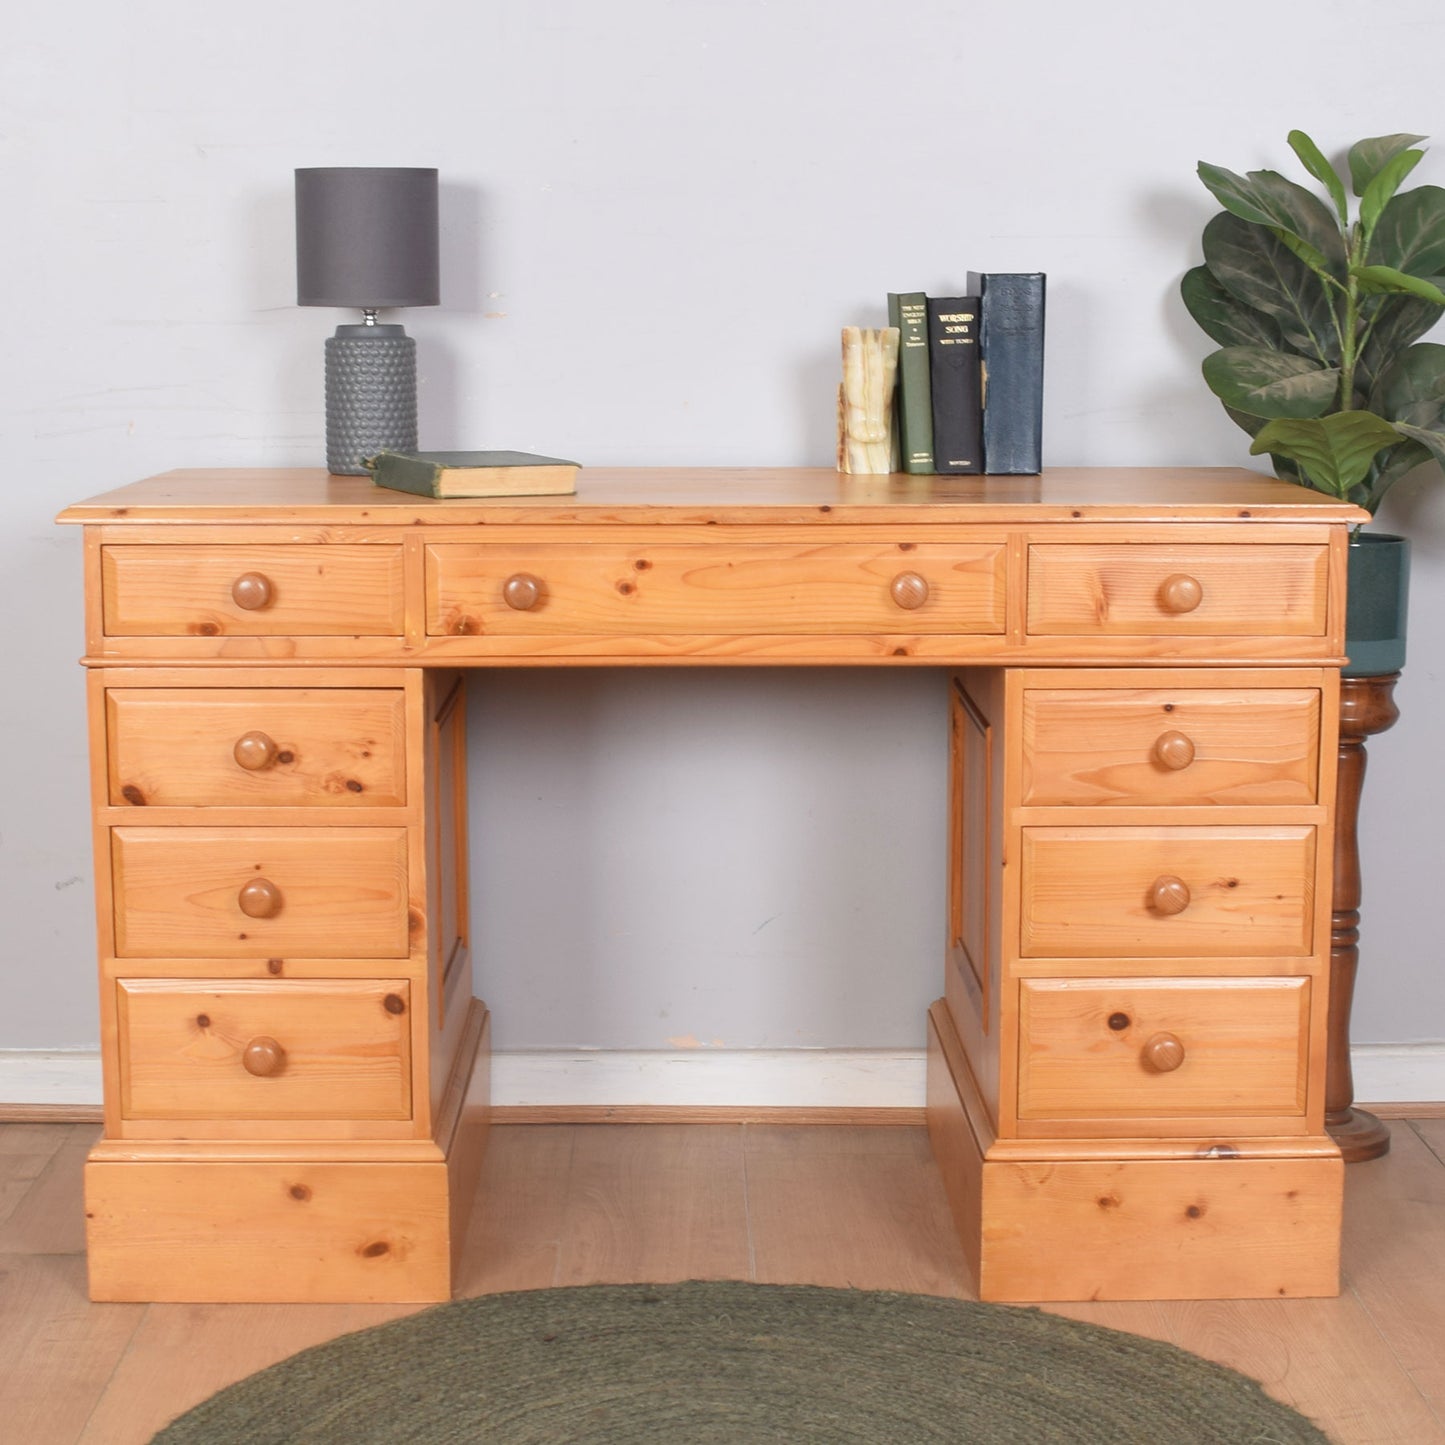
[1319, 316]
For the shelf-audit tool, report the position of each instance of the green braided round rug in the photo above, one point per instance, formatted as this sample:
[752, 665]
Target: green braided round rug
[726, 1361]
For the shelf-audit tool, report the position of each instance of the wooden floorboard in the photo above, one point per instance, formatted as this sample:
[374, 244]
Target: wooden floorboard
[573, 1204]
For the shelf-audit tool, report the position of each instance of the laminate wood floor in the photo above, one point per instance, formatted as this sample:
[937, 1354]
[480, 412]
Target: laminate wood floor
[576, 1204]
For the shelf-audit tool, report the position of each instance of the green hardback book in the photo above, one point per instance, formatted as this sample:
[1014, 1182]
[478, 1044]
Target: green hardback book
[473, 474]
[908, 311]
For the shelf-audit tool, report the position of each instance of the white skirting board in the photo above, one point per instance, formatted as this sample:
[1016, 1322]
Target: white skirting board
[732, 1078]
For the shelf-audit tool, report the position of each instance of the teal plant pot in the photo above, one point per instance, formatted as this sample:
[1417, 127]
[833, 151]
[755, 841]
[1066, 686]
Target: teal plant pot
[1379, 596]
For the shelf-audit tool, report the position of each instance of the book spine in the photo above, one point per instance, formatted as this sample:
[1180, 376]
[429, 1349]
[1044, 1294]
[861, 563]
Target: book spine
[953, 361]
[1013, 360]
[908, 311]
[405, 474]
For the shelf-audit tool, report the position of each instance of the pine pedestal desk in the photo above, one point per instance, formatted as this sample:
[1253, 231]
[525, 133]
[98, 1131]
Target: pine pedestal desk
[1126, 1068]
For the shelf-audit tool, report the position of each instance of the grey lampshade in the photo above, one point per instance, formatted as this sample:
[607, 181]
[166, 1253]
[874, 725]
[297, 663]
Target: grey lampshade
[366, 236]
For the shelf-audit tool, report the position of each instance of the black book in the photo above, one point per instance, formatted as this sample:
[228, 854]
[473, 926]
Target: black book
[954, 367]
[1013, 362]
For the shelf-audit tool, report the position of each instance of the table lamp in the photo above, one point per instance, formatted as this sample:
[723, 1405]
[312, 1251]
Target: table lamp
[366, 237]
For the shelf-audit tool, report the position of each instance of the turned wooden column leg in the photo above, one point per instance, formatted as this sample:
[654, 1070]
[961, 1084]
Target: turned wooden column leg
[1367, 707]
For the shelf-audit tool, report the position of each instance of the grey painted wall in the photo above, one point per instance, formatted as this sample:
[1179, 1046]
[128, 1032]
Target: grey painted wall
[657, 216]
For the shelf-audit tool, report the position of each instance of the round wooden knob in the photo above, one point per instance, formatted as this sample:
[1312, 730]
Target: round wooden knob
[522, 591]
[909, 590]
[263, 1057]
[1169, 894]
[1174, 750]
[260, 898]
[251, 590]
[1162, 1052]
[254, 751]
[1180, 593]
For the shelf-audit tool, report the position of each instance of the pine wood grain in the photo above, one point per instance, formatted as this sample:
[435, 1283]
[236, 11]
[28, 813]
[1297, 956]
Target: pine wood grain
[1091, 746]
[315, 592]
[676, 494]
[316, 747]
[1250, 890]
[823, 1206]
[1121, 590]
[342, 892]
[755, 588]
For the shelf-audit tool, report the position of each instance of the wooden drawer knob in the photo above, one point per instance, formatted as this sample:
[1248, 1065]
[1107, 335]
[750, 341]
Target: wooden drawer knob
[260, 898]
[522, 591]
[1168, 894]
[264, 1057]
[909, 590]
[255, 751]
[1180, 593]
[251, 590]
[1162, 1052]
[1175, 750]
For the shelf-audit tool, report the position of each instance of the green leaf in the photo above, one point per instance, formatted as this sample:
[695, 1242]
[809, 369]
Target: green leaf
[1221, 317]
[1368, 157]
[1315, 163]
[1234, 193]
[1335, 452]
[1380, 190]
[1394, 322]
[1299, 218]
[1410, 234]
[1377, 279]
[1255, 268]
[1398, 462]
[1432, 441]
[1412, 388]
[1269, 383]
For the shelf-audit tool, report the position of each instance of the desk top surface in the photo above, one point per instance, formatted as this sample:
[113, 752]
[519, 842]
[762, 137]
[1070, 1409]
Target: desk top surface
[729, 495]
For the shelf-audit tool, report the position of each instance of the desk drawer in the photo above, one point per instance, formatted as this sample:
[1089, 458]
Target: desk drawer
[260, 892]
[240, 1050]
[255, 747]
[752, 588]
[1167, 892]
[1140, 1048]
[1170, 746]
[1268, 590]
[227, 590]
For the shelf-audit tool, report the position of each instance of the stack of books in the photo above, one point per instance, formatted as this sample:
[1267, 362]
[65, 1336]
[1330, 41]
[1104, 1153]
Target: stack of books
[971, 376]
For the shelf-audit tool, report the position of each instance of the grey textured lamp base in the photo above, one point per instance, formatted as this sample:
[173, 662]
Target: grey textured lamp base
[370, 395]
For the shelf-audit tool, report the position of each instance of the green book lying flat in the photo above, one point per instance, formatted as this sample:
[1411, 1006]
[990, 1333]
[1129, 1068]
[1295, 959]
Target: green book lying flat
[473, 474]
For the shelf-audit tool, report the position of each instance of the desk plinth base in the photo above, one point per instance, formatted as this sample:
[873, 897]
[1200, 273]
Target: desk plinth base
[1130, 1219]
[300, 1223]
